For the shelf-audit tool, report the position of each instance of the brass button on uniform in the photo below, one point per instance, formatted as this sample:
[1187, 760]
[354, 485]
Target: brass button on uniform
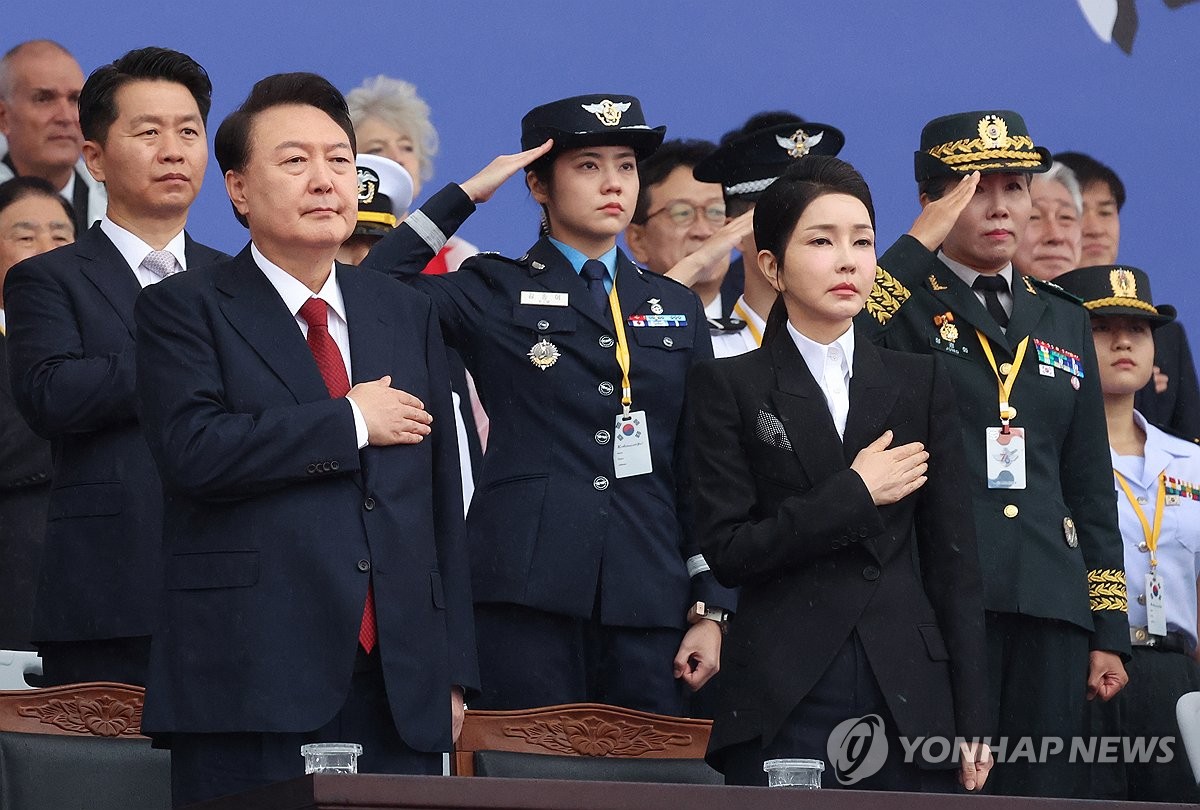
[364, 565]
[600, 483]
[605, 388]
[543, 326]
[603, 436]
[1141, 599]
[1006, 369]
[369, 504]
[606, 342]
[668, 342]
[1143, 547]
[1011, 510]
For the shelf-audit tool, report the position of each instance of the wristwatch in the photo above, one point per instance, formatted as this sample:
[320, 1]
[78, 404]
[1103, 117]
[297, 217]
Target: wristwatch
[700, 611]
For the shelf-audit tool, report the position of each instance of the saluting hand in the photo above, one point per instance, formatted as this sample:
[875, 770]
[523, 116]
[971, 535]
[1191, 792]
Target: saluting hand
[891, 473]
[392, 416]
[937, 218]
[483, 185]
[710, 261]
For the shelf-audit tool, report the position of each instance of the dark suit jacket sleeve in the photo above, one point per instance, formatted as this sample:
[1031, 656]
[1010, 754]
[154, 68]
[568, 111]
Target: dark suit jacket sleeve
[1186, 418]
[740, 545]
[204, 448]
[24, 457]
[705, 587]
[449, 527]
[57, 389]
[1089, 495]
[405, 251]
[949, 558]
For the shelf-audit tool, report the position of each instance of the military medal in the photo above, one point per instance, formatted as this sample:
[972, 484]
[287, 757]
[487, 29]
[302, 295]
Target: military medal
[543, 354]
[948, 330]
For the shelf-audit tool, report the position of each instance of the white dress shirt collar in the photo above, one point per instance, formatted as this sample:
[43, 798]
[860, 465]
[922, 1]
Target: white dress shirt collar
[832, 366]
[293, 292]
[134, 250]
[969, 274]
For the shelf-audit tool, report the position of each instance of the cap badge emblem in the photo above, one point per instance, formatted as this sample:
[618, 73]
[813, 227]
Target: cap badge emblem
[800, 143]
[1124, 283]
[368, 184]
[993, 132]
[609, 112]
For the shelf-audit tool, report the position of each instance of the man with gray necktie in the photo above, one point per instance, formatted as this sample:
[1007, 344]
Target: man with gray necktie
[71, 351]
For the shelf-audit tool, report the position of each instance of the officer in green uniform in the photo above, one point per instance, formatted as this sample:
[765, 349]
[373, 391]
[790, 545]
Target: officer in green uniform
[1020, 355]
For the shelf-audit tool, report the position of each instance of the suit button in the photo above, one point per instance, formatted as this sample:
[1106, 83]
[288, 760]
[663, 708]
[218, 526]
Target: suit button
[600, 483]
[606, 342]
[1011, 510]
[369, 504]
[364, 565]
[543, 326]
[870, 573]
[1143, 547]
[668, 342]
[312, 468]
[334, 465]
[605, 388]
[862, 531]
[603, 436]
[326, 467]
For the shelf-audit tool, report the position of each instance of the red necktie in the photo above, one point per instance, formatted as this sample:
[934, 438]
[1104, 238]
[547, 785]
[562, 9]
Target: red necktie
[333, 370]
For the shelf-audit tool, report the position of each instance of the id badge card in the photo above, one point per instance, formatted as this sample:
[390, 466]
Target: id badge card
[631, 445]
[1156, 608]
[1005, 458]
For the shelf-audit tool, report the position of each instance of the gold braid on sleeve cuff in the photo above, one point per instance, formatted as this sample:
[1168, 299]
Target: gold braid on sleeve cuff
[1106, 590]
[887, 295]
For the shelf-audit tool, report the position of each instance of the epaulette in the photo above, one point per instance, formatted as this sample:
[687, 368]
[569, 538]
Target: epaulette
[645, 273]
[1050, 287]
[725, 326]
[886, 297]
[522, 260]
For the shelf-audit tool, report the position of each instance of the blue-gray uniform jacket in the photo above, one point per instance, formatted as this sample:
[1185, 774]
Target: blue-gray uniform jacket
[1051, 550]
[551, 526]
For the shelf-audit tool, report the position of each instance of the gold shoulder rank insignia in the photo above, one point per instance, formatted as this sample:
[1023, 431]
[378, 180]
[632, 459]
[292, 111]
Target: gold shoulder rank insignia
[887, 296]
[936, 285]
[1106, 590]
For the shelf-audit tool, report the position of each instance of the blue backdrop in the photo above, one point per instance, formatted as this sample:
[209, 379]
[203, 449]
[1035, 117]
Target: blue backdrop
[878, 69]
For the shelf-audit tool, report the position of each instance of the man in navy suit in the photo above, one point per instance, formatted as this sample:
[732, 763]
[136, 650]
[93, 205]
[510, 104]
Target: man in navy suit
[71, 353]
[316, 574]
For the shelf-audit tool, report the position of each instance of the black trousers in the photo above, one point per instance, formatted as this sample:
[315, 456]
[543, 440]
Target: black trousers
[1038, 688]
[1146, 709]
[531, 658]
[122, 660]
[206, 766]
[847, 689]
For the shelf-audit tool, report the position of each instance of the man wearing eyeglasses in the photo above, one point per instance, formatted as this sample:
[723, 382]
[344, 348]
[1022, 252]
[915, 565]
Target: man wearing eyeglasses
[679, 227]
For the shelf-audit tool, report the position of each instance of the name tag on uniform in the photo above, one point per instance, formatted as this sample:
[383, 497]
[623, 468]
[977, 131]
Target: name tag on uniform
[1005, 458]
[1156, 608]
[631, 448]
[539, 298]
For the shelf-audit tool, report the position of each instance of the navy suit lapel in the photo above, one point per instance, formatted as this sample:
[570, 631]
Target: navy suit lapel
[371, 332]
[801, 407]
[256, 311]
[873, 394]
[107, 269]
[1028, 308]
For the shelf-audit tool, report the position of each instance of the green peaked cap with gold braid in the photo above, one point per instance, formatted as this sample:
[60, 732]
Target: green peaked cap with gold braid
[986, 141]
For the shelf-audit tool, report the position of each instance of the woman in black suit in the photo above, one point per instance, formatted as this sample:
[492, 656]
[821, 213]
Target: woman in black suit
[828, 477]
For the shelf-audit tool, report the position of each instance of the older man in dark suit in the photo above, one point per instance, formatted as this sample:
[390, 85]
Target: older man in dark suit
[316, 573]
[71, 353]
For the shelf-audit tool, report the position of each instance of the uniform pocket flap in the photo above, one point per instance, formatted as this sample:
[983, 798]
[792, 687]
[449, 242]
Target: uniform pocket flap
[667, 338]
[544, 320]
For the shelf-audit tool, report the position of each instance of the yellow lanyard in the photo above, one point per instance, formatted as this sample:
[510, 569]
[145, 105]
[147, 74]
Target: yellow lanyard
[745, 316]
[1160, 500]
[1005, 382]
[622, 347]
